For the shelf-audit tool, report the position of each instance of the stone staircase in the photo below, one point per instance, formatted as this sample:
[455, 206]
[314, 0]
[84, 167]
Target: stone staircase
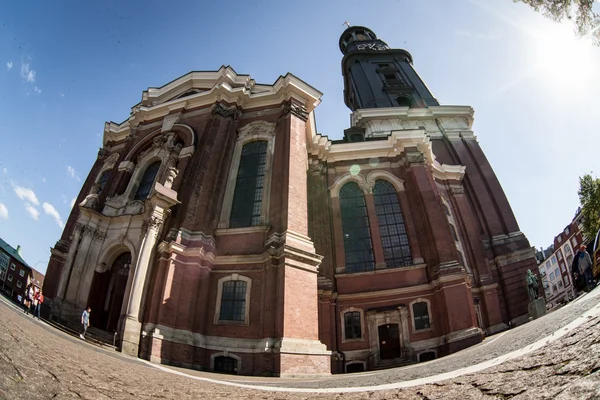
[95, 336]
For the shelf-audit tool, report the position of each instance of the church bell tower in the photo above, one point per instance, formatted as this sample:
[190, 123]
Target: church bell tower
[376, 76]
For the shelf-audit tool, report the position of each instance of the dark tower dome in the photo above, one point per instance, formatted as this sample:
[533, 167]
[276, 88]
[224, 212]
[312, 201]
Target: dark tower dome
[376, 76]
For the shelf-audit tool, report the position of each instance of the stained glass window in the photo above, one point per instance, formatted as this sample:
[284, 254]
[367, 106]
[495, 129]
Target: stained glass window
[233, 301]
[394, 239]
[147, 181]
[358, 246]
[248, 195]
[352, 325]
[421, 315]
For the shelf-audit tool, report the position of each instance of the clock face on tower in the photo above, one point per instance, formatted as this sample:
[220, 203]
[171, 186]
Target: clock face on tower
[371, 46]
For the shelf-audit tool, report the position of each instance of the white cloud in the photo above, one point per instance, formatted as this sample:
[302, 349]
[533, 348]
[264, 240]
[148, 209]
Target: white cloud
[44, 180]
[3, 211]
[73, 202]
[27, 73]
[37, 90]
[71, 172]
[26, 194]
[62, 94]
[9, 65]
[32, 211]
[5, 170]
[50, 210]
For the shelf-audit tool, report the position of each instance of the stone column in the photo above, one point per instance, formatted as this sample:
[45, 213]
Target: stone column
[162, 199]
[66, 271]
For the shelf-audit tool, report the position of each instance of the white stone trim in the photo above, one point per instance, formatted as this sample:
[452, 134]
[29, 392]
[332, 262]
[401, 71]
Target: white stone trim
[257, 130]
[225, 354]
[220, 282]
[412, 315]
[334, 190]
[222, 85]
[343, 324]
[373, 176]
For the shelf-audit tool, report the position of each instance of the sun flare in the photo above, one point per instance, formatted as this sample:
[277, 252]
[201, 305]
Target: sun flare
[563, 58]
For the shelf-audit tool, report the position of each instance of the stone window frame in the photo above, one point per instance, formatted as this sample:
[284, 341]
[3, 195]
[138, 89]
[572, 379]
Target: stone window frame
[362, 324]
[225, 353]
[366, 184]
[395, 187]
[12, 266]
[22, 273]
[10, 277]
[257, 130]
[108, 166]
[412, 316]
[220, 282]
[449, 211]
[19, 284]
[364, 364]
[144, 160]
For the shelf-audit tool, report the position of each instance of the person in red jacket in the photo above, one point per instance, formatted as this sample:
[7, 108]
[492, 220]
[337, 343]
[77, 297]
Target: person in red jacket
[39, 297]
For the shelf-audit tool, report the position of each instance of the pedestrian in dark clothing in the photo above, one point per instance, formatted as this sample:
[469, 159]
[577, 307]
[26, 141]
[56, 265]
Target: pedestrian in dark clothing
[85, 321]
[584, 267]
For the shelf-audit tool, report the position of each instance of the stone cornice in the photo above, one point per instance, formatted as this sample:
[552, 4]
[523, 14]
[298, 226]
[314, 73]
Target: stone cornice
[363, 115]
[224, 85]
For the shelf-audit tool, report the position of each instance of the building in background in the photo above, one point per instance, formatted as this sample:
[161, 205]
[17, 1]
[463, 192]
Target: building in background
[556, 261]
[15, 273]
[219, 230]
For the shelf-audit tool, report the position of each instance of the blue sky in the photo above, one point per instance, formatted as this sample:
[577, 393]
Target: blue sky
[66, 67]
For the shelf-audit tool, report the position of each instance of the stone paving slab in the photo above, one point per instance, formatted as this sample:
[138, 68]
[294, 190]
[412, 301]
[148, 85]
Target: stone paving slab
[37, 362]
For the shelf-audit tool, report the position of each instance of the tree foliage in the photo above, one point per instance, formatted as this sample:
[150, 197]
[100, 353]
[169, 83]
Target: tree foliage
[581, 12]
[589, 198]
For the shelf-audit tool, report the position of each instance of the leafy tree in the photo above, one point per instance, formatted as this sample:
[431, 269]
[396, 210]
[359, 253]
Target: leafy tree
[586, 20]
[589, 198]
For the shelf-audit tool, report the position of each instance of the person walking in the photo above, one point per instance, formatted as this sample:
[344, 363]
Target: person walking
[29, 293]
[39, 298]
[584, 265]
[85, 321]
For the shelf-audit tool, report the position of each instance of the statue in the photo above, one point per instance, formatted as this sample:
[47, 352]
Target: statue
[532, 285]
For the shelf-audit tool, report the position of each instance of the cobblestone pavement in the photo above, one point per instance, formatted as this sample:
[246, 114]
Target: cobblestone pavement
[39, 362]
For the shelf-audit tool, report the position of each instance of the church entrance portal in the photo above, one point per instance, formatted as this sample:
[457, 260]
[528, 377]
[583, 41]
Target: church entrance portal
[389, 341]
[107, 293]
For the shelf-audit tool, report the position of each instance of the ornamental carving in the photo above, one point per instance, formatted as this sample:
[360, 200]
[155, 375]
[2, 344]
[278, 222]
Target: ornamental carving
[110, 162]
[457, 190]
[316, 168]
[298, 110]
[224, 111]
[257, 129]
[154, 223]
[415, 158]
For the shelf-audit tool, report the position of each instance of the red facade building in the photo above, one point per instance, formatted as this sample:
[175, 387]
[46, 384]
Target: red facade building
[218, 230]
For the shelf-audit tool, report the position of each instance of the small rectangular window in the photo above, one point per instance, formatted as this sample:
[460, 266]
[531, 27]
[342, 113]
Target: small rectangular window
[559, 239]
[19, 284]
[22, 273]
[421, 315]
[352, 325]
[10, 278]
[12, 267]
[551, 276]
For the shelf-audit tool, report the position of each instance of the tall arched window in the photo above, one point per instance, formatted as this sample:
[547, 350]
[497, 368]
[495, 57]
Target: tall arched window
[147, 181]
[103, 180]
[358, 246]
[394, 239]
[248, 195]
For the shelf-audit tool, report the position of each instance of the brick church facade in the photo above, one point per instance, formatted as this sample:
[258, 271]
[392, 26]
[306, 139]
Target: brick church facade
[218, 230]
